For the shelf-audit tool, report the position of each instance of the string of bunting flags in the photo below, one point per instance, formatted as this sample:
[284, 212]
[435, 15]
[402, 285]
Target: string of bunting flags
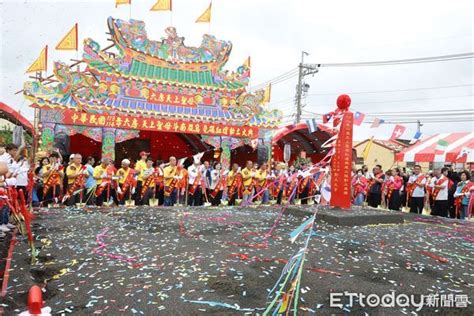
[359, 117]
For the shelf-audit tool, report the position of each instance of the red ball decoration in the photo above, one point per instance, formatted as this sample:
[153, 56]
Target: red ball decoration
[343, 102]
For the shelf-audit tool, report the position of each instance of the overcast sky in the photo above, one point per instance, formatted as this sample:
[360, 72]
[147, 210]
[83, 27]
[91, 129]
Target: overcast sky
[273, 33]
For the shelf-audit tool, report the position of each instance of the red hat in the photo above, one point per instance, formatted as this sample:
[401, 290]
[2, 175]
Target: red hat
[144, 153]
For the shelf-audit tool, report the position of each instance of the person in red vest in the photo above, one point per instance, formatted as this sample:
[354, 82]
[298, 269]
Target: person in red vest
[440, 193]
[416, 190]
[462, 195]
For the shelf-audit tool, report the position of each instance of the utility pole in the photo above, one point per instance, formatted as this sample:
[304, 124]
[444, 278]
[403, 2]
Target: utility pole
[304, 70]
[418, 126]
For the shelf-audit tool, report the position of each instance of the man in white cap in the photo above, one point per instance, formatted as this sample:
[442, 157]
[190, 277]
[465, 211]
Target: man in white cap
[126, 182]
[195, 183]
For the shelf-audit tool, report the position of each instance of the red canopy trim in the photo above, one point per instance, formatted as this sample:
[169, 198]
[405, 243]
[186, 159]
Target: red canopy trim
[15, 117]
[459, 150]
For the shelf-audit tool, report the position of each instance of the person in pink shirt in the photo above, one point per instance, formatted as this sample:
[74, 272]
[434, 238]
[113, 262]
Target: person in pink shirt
[359, 187]
[394, 186]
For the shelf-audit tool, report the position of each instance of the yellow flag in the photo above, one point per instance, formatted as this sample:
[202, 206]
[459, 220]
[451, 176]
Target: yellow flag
[206, 16]
[41, 63]
[247, 62]
[69, 41]
[119, 2]
[162, 5]
[268, 93]
[366, 151]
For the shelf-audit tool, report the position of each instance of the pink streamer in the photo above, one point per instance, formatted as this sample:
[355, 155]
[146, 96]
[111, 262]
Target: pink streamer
[102, 247]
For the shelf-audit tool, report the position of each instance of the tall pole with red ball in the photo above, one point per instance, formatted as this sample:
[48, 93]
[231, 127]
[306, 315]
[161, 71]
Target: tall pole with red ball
[341, 163]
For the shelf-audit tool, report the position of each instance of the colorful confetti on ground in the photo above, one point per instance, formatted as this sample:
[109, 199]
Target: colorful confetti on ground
[193, 261]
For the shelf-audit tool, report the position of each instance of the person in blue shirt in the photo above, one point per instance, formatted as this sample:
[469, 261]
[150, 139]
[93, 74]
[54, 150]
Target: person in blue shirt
[90, 182]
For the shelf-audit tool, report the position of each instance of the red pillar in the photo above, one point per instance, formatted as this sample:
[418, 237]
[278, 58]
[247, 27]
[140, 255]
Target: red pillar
[341, 164]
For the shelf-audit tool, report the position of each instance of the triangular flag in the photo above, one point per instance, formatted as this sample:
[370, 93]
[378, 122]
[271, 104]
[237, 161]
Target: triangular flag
[441, 147]
[267, 94]
[358, 118]
[397, 132]
[162, 5]
[69, 41]
[312, 125]
[327, 117]
[119, 2]
[366, 151]
[41, 63]
[206, 16]
[415, 138]
[247, 63]
[197, 157]
[377, 123]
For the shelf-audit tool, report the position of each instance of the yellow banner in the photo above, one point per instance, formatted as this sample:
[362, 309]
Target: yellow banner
[69, 41]
[162, 5]
[119, 2]
[268, 93]
[41, 63]
[247, 62]
[206, 16]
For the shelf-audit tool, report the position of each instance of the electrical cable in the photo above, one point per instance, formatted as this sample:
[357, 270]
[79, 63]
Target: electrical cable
[395, 90]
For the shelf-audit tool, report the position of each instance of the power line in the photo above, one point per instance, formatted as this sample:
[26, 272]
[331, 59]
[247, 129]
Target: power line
[402, 61]
[280, 78]
[421, 113]
[396, 90]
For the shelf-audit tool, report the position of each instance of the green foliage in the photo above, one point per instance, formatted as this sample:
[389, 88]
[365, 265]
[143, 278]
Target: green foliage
[299, 161]
[6, 136]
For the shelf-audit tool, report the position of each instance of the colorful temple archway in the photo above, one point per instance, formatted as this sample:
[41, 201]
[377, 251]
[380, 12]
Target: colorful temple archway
[144, 86]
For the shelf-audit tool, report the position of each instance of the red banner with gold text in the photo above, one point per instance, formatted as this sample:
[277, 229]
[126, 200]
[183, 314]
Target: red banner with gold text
[71, 117]
[341, 165]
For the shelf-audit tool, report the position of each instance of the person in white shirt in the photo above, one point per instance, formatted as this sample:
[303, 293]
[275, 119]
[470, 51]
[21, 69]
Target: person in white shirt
[416, 190]
[216, 188]
[195, 188]
[9, 156]
[440, 194]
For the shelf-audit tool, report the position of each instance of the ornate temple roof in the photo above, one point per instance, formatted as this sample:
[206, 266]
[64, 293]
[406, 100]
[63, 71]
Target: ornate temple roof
[157, 79]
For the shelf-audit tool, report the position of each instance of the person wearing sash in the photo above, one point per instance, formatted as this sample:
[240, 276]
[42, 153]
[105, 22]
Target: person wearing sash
[91, 183]
[139, 167]
[374, 196]
[278, 178]
[261, 179]
[217, 184]
[101, 177]
[159, 182]
[291, 184]
[171, 179]
[52, 179]
[440, 193]
[195, 183]
[393, 191]
[126, 181]
[305, 184]
[247, 181]
[359, 185]
[462, 195]
[182, 184]
[148, 188]
[416, 190]
[233, 184]
[76, 177]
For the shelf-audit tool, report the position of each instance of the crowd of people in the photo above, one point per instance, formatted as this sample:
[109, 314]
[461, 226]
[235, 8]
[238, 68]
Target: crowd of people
[150, 182]
[52, 181]
[442, 191]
